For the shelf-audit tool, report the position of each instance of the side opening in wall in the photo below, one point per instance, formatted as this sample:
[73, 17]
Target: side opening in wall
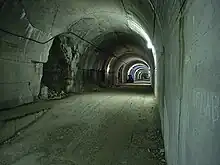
[57, 77]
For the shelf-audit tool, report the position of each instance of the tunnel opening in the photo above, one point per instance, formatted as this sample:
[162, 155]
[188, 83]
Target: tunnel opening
[60, 69]
[119, 49]
[141, 73]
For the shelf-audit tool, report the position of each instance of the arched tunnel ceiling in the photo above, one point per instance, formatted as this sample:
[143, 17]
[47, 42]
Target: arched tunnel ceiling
[135, 60]
[87, 18]
[106, 23]
[131, 64]
[115, 39]
[124, 67]
[59, 15]
[135, 67]
[127, 58]
[126, 63]
[121, 46]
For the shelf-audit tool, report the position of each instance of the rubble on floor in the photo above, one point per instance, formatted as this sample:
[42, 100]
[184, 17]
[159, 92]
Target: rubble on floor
[52, 95]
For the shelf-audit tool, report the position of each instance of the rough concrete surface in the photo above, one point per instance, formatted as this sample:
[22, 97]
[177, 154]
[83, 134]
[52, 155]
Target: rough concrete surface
[10, 127]
[106, 127]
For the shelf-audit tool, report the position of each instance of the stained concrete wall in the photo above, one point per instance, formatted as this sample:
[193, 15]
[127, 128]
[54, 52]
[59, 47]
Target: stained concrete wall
[189, 86]
[20, 60]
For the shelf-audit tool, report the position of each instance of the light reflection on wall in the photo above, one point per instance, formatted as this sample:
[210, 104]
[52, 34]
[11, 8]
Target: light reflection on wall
[133, 25]
[108, 66]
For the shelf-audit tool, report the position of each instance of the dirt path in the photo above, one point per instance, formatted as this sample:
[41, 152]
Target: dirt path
[103, 128]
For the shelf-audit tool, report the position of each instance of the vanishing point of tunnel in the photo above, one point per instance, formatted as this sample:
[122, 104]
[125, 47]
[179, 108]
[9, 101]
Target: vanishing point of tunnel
[109, 82]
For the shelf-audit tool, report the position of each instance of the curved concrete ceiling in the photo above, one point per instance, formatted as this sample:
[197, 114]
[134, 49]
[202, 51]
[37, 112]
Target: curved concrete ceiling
[128, 61]
[135, 67]
[60, 15]
[91, 20]
[98, 29]
[138, 65]
[130, 64]
[117, 45]
[138, 72]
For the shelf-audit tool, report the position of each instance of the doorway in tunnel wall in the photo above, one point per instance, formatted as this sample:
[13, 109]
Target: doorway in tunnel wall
[58, 73]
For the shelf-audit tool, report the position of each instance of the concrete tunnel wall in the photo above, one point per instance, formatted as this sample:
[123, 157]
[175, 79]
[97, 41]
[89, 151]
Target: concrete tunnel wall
[189, 82]
[187, 87]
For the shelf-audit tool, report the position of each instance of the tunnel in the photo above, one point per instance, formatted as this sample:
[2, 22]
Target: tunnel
[109, 82]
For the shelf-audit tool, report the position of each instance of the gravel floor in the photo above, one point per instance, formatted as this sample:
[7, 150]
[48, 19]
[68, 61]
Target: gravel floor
[100, 128]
